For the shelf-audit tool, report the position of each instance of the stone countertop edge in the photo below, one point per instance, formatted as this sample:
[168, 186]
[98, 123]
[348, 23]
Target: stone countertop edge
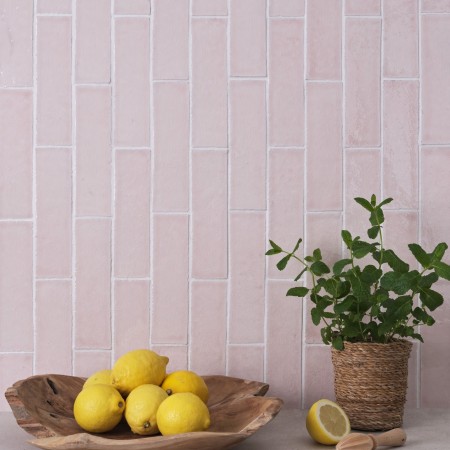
[426, 429]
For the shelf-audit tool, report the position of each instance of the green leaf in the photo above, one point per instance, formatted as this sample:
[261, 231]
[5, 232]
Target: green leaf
[319, 268]
[427, 281]
[317, 255]
[371, 274]
[417, 336]
[376, 217]
[282, 263]
[423, 316]
[309, 259]
[442, 269]
[361, 249]
[386, 326]
[439, 251]
[431, 299]
[316, 316]
[344, 306]
[325, 333]
[395, 263]
[300, 274]
[400, 283]
[385, 202]
[297, 292]
[347, 238]
[338, 343]
[352, 329]
[373, 231]
[339, 265]
[421, 255]
[275, 246]
[373, 200]
[273, 251]
[297, 245]
[364, 203]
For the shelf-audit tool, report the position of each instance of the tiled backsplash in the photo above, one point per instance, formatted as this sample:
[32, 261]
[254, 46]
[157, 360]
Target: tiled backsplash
[149, 150]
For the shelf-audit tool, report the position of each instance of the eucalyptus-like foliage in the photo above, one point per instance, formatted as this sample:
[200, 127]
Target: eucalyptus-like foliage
[381, 301]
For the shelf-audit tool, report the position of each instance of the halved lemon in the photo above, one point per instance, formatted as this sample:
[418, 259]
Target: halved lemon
[327, 423]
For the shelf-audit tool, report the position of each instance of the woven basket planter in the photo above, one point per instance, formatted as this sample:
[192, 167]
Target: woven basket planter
[370, 383]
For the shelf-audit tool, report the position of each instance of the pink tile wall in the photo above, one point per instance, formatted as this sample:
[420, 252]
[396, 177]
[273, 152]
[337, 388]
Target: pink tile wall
[149, 151]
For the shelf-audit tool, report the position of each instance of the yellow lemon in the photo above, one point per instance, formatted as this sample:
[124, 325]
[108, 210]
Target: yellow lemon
[98, 408]
[141, 407]
[138, 367]
[185, 381]
[100, 377]
[182, 413]
[327, 423]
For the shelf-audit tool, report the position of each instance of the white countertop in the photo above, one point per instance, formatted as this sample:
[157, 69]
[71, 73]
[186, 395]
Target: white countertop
[426, 429]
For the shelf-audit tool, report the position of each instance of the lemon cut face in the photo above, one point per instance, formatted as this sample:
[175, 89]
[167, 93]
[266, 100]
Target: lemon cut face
[327, 423]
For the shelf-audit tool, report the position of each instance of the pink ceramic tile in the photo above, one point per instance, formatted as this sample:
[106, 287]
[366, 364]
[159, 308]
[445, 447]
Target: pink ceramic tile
[435, 76]
[286, 8]
[170, 39]
[93, 41]
[53, 213]
[319, 377]
[54, 6]
[88, 362]
[324, 112]
[13, 367]
[436, 6]
[248, 144]
[171, 146]
[284, 332]
[286, 208]
[132, 82]
[177, 354]
[170, 293]
[16, 156]
[16, 46]
[209, 7]
[246, 361]
[92, 318]
[209, 83]
[131, 315]
[132, 214]
[248, 38]
[54, 75]
[286, 98]
[362, 179]
[208, 327]
[324, 40]
[93, 151]
[16, 287]
[401, 38]
[247, 266]
[132, 7]
[362, 7]
[362, 78]
[435, 191]
[401, 131]
[434, 363]
[209, 214]
[53, 327]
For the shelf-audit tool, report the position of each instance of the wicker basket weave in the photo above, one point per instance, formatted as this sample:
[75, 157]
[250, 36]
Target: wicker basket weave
[370, 383]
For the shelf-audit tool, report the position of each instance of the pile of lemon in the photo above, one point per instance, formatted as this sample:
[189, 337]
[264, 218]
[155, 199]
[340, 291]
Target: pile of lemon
[139, 390]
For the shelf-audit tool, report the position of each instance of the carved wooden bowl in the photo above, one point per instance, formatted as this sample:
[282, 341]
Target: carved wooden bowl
[42, 406]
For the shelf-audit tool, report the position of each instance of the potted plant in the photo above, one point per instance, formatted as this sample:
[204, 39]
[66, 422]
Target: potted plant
[370, 306]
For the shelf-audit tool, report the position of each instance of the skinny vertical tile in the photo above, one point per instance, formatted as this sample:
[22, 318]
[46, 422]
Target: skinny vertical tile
[401, 38]
[209, 83]
[53, 213]
[363, 7]
[247, 243]
[246, 361]
[54, 81]
[170, 39]
[434, 81]
[93, 151]
[131, 315]
[54, 327]
[132, 82]
[286, 8]
[93, 284]
[129, 7]
[132, 214]
[209, 7]
[16, 156]
[209, 214]
[248, 38]
[16, 43]
[324, 113]
[286, 208]
[248, 144]
[16, 287]
[208, 324]
[401, 153]
[54, 6]
[170, 293]
[284, 331]
[324, 40]
[286, 98]
[362, 82]
[171, 142]
[93, 41]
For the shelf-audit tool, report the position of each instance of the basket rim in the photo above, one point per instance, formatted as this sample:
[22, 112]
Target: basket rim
[393, 343]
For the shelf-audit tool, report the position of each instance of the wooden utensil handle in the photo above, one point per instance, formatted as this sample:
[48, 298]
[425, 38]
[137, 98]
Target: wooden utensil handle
[392, 438]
